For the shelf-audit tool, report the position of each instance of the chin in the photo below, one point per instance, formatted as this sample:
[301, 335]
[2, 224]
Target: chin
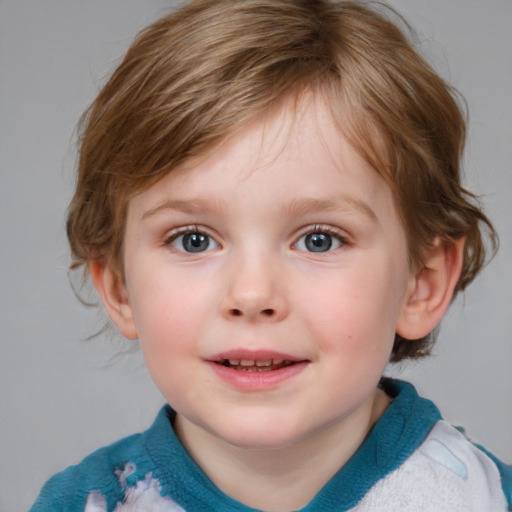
[261, 436]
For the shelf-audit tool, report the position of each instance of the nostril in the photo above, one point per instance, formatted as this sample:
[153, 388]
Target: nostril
[264, 312]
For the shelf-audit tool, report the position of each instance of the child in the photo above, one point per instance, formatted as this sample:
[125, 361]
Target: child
[269, 199]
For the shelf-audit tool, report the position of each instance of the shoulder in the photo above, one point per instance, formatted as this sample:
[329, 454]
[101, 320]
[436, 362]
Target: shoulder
[451, 458]
[97, 473]
[445, 473]
[101, 479]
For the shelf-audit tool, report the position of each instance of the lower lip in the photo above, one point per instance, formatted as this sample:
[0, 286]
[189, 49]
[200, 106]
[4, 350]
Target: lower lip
[257, 381]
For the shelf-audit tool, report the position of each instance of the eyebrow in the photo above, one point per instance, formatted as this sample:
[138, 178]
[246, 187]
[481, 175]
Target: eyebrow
[303, 206]
[189, 206]
[296, 207]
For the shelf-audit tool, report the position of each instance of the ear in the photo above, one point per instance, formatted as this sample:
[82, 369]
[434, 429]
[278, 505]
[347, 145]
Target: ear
[431, 289]
[114, 296]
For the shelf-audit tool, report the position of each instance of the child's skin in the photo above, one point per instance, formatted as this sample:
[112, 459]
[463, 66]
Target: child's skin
[257, 289]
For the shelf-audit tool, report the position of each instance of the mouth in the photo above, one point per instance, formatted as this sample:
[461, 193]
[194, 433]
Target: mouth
[256, 370]
[252, 365]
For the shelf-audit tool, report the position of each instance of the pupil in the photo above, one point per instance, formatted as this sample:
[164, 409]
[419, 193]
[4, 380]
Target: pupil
[195, 242]
[318, 242]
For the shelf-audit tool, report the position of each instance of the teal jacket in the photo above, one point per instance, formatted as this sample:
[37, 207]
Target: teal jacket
[410, 459]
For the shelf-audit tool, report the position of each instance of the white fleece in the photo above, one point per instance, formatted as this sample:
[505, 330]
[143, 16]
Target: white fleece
[446, 473]
[142, 497]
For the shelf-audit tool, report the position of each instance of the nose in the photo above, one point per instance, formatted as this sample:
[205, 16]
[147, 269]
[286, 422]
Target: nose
[255, 291]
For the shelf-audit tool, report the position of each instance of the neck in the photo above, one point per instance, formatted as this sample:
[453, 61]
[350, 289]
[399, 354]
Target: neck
[280, 480]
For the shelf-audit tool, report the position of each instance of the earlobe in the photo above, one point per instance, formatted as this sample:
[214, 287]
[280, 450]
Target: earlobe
[113, 293]
[431, 289]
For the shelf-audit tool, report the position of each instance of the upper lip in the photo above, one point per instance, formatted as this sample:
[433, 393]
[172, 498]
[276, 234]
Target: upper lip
[254, 355]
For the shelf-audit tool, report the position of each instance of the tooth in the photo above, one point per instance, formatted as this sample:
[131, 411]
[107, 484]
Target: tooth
[234, 362]
[277, 361]
[263, 363]
[246, 362]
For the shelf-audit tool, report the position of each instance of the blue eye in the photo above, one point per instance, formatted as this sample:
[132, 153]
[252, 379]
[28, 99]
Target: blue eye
[193, 242]
[318, 241]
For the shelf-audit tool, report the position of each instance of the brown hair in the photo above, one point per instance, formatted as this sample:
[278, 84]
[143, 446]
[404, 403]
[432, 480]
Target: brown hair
[196, 76]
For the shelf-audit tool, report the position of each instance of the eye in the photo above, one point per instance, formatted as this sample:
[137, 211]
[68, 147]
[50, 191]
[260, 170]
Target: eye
[319, 241]
[193, 242]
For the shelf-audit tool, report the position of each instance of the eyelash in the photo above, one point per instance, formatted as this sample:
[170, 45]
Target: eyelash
[186, 230]
[316, 229]
[181, 231]
[327, 230]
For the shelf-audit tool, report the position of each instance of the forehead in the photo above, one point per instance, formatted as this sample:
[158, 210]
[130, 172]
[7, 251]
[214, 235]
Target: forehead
[294, 151]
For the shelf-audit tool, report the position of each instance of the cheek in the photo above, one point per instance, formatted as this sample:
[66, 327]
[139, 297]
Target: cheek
[166, 311]
[169, 322]
[356, 312]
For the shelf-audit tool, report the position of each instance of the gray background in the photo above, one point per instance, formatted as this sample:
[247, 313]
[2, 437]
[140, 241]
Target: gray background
[60, 396]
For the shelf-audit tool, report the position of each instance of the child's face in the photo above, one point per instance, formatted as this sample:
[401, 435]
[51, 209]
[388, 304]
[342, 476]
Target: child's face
[282, 246]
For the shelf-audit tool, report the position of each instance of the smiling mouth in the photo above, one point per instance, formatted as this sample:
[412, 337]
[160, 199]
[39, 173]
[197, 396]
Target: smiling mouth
[247, 365]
